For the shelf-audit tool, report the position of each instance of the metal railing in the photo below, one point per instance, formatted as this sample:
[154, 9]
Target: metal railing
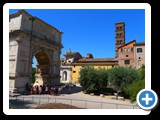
[86, 104]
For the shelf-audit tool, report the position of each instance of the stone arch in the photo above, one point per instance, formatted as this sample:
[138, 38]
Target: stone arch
[40, 50]
[27, 39]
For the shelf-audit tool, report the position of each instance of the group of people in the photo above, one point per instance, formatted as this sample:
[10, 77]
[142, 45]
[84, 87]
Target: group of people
[42, 89]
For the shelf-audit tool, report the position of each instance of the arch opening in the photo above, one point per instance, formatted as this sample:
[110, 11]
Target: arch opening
[42, 68]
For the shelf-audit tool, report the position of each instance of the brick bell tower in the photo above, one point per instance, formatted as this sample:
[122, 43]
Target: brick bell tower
[119, 35]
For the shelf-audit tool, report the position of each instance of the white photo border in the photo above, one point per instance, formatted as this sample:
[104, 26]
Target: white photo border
[8, 6]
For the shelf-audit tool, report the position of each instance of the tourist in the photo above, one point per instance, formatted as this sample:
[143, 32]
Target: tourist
[52, 90]
[47, 89]
[40, 89]
[59, 90]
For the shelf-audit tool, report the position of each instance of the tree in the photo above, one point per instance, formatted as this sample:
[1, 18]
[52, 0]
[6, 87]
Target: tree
[33, 75]
[120, 77]
[102, 81]
[93, 80]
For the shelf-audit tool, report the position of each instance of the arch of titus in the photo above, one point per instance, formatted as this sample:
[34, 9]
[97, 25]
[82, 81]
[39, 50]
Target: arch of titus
[28, 37]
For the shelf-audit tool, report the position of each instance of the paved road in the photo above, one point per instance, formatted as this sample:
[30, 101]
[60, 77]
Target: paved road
[76, 98]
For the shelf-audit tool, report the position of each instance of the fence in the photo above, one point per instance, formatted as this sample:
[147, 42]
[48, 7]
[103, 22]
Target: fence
[86, 104]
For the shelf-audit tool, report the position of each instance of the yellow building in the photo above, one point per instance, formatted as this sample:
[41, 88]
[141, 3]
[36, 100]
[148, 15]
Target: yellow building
[106, 63]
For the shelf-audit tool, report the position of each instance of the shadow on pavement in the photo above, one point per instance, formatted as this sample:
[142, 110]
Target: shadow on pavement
[72, 90]
[19, 104]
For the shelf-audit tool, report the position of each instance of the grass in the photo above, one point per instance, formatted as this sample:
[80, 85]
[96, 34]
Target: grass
[56, 106]
[44, 106]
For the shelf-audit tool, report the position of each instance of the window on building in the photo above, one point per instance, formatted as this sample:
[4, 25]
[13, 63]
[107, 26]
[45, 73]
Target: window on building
[117, 41]
[126, 55]
[117, 35]
[139, 50]
[139, 62]
[112, 66]
[139, 58]
[132, 49]
[69, 61]
[120, 35]
[124, 49]
[127, 62]
[128, 49]
[74, 71]
[121, 42]
[121, 50]
[120, 28]
[74, 66]
[117, 28]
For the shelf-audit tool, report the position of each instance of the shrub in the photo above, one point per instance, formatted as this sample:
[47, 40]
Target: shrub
[141, 72]
[134, 88]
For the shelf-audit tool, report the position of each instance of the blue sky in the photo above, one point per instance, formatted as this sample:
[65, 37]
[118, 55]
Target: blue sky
[91, 30]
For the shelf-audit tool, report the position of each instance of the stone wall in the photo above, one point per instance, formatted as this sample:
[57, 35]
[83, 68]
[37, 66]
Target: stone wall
[12, 57]
[15, 22]
[40, 28]
[125, 53]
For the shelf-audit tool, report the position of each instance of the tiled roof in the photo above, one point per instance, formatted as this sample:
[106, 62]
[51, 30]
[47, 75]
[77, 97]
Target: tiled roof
[96, 61]
[71, 53]
[62, 59]
[101, 63]
[127, 43]
[139, 44]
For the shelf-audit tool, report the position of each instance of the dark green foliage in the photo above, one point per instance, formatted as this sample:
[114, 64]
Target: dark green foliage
[33, 75]
[62, 84]
[141, 72]
[93, 80]
[120, 77]
[134, 88]
[126, 80]
[11, 106]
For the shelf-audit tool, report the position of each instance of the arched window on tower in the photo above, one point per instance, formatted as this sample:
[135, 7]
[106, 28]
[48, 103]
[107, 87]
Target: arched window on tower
[117, 29]
[117, 41]
[121, 50]
[117, 35]
[120, 28]
[120, 35]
